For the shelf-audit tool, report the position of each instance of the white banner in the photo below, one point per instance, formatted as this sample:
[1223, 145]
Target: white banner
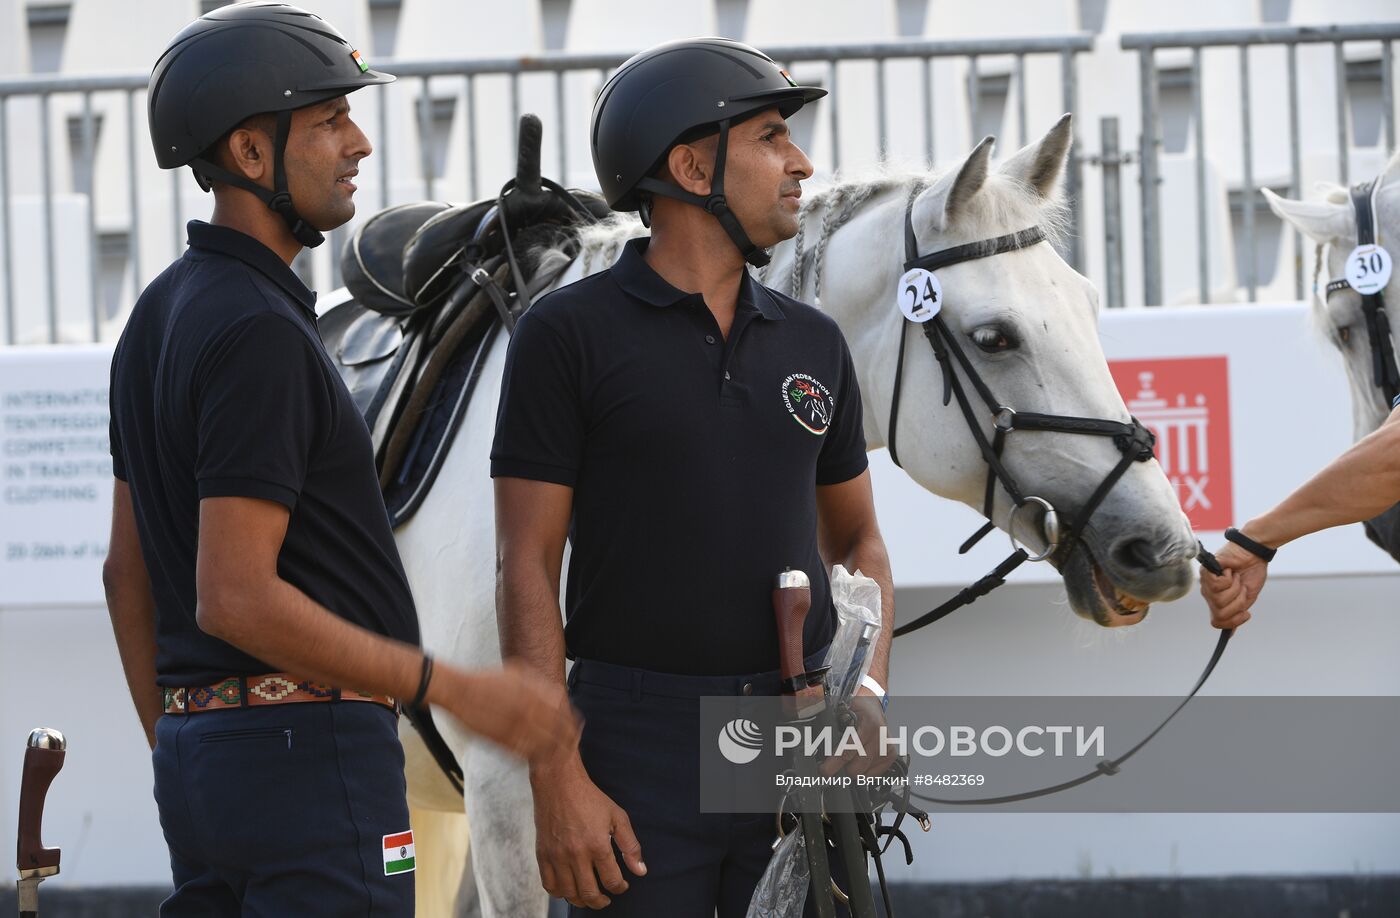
[55, 474]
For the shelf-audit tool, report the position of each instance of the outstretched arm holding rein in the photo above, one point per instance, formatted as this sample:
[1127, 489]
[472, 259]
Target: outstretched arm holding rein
[1359, 484]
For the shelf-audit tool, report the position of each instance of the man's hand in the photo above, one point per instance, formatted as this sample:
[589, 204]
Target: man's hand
[514, 707]
[1231, 596]
[576, 826]
[870, 718]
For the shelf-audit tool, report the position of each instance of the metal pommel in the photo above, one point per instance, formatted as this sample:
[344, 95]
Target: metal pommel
[47, 738]
[791, 579]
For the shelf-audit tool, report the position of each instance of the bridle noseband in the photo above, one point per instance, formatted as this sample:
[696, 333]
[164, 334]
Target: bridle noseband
[1134, 441]
[1385, 372]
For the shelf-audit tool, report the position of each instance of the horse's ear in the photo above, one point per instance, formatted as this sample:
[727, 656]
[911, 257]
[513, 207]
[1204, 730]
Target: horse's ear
[1321, 221]
[940, 204]
[1392, 168]
[1039, 164]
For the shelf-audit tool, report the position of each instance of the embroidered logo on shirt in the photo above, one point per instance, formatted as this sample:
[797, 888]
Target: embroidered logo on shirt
[809, 402]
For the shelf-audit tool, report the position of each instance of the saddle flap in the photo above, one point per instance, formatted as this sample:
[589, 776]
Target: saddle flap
[369, 338]
[372, 261]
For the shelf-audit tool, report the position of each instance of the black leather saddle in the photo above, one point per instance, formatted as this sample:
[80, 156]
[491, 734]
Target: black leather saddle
[432, 286]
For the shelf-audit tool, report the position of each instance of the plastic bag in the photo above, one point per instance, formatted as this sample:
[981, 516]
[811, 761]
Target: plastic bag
[782, 890]
[857, 601]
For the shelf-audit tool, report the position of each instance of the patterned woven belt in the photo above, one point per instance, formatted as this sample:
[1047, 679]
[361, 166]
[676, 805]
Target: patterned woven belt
[257, 691]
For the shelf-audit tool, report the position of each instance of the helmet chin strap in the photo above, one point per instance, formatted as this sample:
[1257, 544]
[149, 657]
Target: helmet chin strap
[279, 200]
[715, 203]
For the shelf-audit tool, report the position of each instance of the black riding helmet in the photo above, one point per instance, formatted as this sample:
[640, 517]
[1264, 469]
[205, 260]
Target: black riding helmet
[239, 61]
[676, 91]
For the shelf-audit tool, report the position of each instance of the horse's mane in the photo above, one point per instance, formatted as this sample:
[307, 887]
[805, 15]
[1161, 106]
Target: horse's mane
[1003, 205]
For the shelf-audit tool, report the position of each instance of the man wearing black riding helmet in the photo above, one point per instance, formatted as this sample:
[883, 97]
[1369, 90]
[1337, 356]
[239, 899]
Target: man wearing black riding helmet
[262, 614]
[693, 434]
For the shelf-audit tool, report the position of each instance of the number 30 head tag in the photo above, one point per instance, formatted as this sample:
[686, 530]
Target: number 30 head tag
[920, 296]
[1368, 269]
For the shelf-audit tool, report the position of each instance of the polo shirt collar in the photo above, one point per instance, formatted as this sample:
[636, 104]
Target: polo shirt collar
[245, 248]
[638, 279]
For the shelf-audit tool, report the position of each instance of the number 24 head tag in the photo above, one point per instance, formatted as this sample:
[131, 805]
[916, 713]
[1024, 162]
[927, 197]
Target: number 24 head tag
[920, 295]
[1368, 269]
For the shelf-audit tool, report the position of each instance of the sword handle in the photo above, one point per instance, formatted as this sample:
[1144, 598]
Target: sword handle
[43, 757]
[792, 599]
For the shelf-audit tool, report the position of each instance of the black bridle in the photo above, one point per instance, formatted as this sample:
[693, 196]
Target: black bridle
[1134, 441]
[1385, 372]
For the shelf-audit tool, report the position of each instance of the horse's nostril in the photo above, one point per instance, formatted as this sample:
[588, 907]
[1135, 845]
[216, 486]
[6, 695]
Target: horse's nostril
[1134, 553]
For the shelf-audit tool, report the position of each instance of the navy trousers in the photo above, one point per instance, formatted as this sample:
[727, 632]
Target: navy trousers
[284, 810]
[640, 745]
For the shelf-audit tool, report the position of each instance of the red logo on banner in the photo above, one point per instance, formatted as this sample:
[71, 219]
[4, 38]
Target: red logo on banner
[1185, 401]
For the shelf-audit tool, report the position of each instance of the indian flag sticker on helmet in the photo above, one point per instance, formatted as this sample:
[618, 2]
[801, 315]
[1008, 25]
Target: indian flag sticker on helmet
[398, 853]
[359, 59]
[787, 76]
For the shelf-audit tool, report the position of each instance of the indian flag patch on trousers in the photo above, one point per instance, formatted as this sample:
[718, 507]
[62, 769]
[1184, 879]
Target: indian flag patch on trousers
[398, 853]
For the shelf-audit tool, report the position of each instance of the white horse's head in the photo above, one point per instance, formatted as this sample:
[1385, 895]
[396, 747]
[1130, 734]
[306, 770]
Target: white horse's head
[1028, 323]
[1331, 224]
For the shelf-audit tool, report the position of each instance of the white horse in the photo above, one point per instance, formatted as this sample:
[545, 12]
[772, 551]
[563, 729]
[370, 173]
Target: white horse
[1331, 224]
[1029, 324]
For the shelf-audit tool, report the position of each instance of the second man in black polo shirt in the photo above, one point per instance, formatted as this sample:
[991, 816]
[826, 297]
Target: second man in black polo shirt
[694, 433]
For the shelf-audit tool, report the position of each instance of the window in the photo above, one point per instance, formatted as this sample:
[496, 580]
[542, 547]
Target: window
[82, 166]
[1268, 237]
[1092, 14]
[1174, 106]
[992, 91]
[554, 21]
[1364, 100]
[113, 253]
[1274, 10]
[384, 26]
[441, 110]
[48, 27]
[731, 18]
[912, 14]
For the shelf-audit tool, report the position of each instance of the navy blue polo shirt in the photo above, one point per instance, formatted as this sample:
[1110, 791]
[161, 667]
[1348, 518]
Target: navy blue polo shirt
[221, 388]
[694, 461]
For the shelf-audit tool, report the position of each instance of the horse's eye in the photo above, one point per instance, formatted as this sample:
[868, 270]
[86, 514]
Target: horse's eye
[992, 339]
[1345, 334]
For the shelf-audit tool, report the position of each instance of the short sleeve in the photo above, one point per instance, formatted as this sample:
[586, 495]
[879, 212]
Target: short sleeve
[539, 421]
[263, 407]
[114, 436]
[843, 450]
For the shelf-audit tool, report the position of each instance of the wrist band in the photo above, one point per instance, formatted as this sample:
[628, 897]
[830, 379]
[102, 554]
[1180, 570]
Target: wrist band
[1263, 552]
[868, 681]
[423, 680]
